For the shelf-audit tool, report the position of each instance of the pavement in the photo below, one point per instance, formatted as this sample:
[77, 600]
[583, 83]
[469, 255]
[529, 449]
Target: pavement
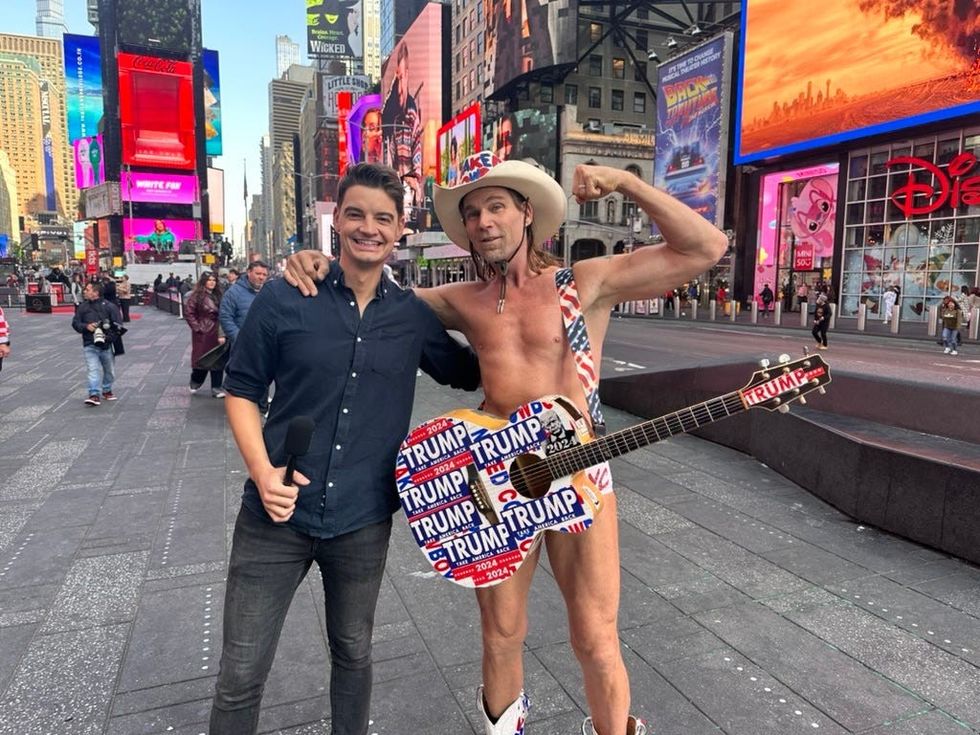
[748, 606]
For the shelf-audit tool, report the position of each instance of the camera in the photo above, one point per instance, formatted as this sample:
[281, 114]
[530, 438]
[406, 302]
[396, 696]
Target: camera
[100, 332]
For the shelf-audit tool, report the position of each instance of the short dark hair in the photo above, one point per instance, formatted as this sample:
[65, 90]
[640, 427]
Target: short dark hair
[96, 285]
[373, 176]
[257, 264]
[233, 270]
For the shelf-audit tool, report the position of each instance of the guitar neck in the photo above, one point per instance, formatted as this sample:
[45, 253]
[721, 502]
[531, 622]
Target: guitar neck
[622, 442]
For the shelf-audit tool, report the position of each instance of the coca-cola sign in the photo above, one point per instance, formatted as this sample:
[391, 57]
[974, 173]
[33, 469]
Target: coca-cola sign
[155, 63]
[937, 187]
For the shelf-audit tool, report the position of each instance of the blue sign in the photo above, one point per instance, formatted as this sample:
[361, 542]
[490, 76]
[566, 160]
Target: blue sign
[83, 85]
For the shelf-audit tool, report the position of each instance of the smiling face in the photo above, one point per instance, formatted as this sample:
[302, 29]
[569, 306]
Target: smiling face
[495, 222]
[368, 225]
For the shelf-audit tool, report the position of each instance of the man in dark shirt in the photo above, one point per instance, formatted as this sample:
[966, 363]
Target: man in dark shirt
[347, 359]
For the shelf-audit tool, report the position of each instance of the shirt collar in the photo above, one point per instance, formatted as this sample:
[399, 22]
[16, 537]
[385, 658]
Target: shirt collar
[336, 278]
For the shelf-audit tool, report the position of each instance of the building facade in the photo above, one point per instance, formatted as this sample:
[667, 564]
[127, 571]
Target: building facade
[287, 54]
[50, 21]
[8, 199]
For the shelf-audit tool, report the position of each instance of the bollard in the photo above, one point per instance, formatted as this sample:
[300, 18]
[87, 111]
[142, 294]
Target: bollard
[803, 312]
[659, 303]
[755, 312]
[712, 308]
[974, 325]
[833, 315]
[694, 310]
[862, 315]
[677, 308]
[896, 318]
[778, 314]
[933, 320]
[732, 310]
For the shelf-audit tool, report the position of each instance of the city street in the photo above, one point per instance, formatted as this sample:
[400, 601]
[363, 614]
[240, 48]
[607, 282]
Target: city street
[749, 607]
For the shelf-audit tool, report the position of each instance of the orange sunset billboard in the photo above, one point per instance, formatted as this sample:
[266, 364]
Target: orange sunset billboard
[814, 75]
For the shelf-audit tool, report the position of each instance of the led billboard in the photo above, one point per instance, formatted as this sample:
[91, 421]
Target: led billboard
[142, 186]
[334, 28]
[692, 127]
[364, 130]
[525, 134]
[526, 36]
[859, 68]
[83, 85]
[89, 162]
[161, 235]
[169, 24]
[156, 112]
[212, 103]
[216, 200]
[411, 84]
[457, 140]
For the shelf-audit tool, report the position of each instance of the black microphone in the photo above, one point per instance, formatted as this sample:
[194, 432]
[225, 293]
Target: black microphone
[298, 435]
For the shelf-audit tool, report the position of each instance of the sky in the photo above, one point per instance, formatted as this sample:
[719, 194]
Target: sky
[244, 34]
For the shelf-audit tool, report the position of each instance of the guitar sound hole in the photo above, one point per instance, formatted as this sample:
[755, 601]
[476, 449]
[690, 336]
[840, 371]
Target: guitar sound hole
[529, 476]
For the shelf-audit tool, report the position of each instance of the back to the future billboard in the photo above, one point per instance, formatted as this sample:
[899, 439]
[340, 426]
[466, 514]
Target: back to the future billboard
[523, 36]
[692, 127]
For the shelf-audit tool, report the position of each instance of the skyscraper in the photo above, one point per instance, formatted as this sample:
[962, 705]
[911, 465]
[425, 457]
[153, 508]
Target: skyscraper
[287, 54]
[51, 18]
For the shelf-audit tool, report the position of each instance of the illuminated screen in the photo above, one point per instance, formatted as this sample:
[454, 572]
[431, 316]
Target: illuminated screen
[334, 28]
[457, 140]
[89, 162]
[168, 24]
[364, 130]
[138, 186]
[147, 234]
[83, 85]
[216, 200]
[212, 103]
[860, 68]
[156, 112]
[525, 134]
[528, 36]
[411, 85]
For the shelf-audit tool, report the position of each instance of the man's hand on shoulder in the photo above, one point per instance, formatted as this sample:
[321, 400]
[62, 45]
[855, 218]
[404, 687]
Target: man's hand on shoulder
[306, 267]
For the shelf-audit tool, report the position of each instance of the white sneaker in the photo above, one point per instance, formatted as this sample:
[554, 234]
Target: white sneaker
[634, 726]
[217, 393]
[953, 352]
[511, 722]
[946, 351]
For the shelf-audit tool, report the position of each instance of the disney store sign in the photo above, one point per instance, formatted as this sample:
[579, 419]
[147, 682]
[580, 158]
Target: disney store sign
[938, 187]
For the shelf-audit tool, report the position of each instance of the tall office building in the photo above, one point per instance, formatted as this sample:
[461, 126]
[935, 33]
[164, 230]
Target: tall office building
[50, 21]
[9, 207]
[395, 19]
[33, 125]
[287, 54]
[372, 39]
[285, 102]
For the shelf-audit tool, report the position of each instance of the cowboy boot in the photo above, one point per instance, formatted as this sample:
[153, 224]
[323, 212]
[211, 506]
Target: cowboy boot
[511, 722]
[634, 726]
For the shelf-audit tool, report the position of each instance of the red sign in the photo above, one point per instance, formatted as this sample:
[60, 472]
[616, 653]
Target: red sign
[803, 257]
[91, 260]
[344, 102]
[952, 186]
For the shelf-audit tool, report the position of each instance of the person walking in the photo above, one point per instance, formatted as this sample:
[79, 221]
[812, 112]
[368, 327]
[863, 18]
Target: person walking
[821, 321]
[767, 297]
[124, 292]
[888, 299]
[4, 338]
[951, 317]
[96, 320]
[201, 315]
[346, 360]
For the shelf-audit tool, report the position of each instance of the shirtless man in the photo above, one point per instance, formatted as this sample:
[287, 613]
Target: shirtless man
[502, 212]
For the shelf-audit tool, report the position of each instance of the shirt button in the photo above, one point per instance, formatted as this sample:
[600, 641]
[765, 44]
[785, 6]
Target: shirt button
[358, 339]
[352, 303]
[329, 484]
[353, 375]
[337, 447]
[346, 411]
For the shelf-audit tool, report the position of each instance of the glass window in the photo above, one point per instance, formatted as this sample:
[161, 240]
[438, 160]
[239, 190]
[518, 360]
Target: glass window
[641, 40]
[547, 93]
[856, 190]
[965, 258]
[877, 186]
[855, 213]
[619, 68]
[595, 32]
[967, 229]
[590, 211]
[617, 99]
[595, 97]
[640, 71]
[858, 167]
[595, 65]
[571, 94]
[946, 150]
[639, 102]
[924, 150]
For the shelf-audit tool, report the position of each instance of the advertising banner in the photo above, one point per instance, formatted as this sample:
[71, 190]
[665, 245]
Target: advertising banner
[858, 68]
[530, 133]
[692, 128]
[216, 200]
[334, 28]
[83, 85]
[212, 102]
[47, 147]
[139, 186]
[456, 141]
[78, 239]
[158, 234]
[330, 85]
[364, 130]
[103, 200]
[89, 162]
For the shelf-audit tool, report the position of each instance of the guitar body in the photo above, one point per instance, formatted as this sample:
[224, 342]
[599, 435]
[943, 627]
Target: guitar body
[477, 489]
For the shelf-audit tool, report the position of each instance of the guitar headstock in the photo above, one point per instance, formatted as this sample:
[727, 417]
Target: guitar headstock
[775, 387]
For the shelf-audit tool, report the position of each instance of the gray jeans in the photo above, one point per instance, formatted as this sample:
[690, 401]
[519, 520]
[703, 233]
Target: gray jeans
[268, 562]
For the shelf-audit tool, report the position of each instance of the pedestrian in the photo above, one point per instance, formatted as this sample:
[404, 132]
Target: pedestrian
[888, 304]
[503, 212]
[96, 320]
[802, 292]
[669, 299]
[201, 315]
[951, 317]
[158, 283]
[821, 321]
[124, 291]
[236, 302]
[4, 338]
[346, 359]
[767, 297]
[75, 289]
[232, 276]
[109, 291]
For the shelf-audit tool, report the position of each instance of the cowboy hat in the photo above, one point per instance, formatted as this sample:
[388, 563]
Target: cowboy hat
[484, 169]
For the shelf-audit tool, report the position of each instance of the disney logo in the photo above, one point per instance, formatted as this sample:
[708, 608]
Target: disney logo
[953, 185]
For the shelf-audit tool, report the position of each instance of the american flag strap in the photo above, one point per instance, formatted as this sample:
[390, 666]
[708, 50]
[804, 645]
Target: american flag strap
[578, 341]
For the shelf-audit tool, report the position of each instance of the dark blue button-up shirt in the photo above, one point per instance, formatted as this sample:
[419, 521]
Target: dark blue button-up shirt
[354, 375]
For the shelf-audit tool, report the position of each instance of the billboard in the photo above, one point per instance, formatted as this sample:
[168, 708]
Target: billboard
[364, 130]
[859, 69]
[531, 133]
[216, 200]
[527, 36]
[334, 28]
[161, 235]
[691, 157]
[140, 186]
[411, 84]
[47, 147]
[212, 103]
[156, 112]
[331, 85]
[89, 162]
[83, 85]
[169, 24]
[456, 141]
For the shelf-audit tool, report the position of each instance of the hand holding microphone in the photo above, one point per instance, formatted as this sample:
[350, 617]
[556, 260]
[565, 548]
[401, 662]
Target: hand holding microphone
[279, 495]
[298, 436]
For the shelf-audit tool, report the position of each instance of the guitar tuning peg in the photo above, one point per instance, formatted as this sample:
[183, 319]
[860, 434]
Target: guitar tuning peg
[821, 390]
[764, 362]
[784, 408]
[802, 400]
[784, 358]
